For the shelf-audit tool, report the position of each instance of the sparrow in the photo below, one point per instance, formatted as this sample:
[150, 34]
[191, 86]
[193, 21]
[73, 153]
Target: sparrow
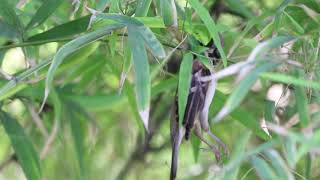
[196, 113]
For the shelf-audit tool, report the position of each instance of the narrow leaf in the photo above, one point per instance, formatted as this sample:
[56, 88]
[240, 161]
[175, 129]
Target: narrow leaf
[242, 89]
[22, 145]
[278, 164]
[195, 142]
[101, 5]
[152, 42]
[141, 72]
[142, 8]
[76, 124]
[71, 47]
[240, 114]
[185, 76]
[283, 78]
[302, 104]
[150, 39]
[263, 169]
[238, 150]
[68, 29]
[169, 12]
[211, 26]
[7, 31]
[9, 15]
[295, 24]
[45, 10]
[127, 64]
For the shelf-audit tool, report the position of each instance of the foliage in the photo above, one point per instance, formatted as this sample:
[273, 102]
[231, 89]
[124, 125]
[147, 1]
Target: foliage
[87, 86]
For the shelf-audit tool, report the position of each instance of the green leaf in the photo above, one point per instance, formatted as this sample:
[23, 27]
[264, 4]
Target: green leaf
[71, 47]
[83, 67]
[211, 26]
[12, 87]
[68, 29]
[127, 64]
[152, 22]
[45, 10]
[76, 124]
[295, 24]
[240, 114]
[164, 85]
[169, 12]
[101, 5]
[142, 8]
[128, 90]
[185, 76]
[287, 79]
[125, 20]
[114, 6]
[263, 169]
[239, 7]
[267, 45]
[151, 41]
[290, 149]
[242, 89]
[9, 15]
[238, 150]
[195, 142]
[278, 164]
[141, 72]
[22, 145]
[269, 110]
[302, 103]
[7, 31]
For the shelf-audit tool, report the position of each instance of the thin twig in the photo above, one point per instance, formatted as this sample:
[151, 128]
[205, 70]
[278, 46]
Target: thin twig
[47, 146]
[37, 120]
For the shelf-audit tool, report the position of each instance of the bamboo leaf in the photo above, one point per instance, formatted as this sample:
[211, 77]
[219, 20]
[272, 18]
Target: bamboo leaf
[129, 91]
[242, 89]
[297, 81]
[302, 103]
[150, 39]
[9, 15]
[278, 164]
[169, 12]
[295, 24]
[102, 4]
[164, 85]
[142, 8]
[68, 29]
[142, 74]
[185, 76]
[152, 42]
[211, 26]
[7, 31]
[290, 149]
[240, 114]
[240, 7]
[237, 151]
[22, 145]
[71, 47]
[78, 135]
[195, 142]
[45, 10]
[127, 64]
[263, 169]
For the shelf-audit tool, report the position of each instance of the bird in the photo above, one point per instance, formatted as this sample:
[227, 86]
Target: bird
[196, 113]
